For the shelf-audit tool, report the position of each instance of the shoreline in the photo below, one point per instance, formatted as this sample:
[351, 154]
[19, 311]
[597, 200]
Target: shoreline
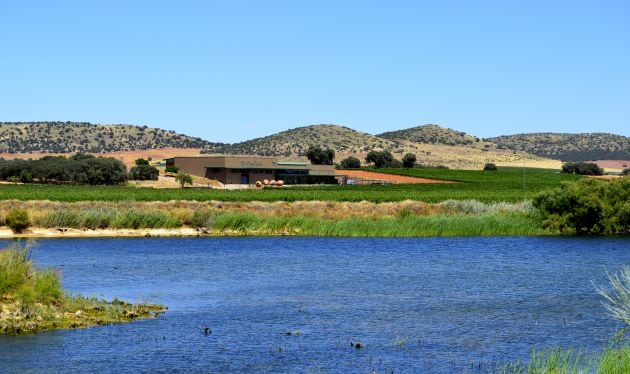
[44, 233]
[41, 233]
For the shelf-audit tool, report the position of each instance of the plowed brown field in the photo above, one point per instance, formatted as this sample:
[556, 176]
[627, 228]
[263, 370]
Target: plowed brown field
[387, 177]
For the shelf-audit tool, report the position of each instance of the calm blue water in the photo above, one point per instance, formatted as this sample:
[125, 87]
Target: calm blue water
[418, 305]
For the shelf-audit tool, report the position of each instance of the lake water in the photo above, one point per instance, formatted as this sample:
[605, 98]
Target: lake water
[417, 305]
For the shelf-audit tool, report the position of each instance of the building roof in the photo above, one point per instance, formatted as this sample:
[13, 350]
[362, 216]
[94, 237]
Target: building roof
[255, 162]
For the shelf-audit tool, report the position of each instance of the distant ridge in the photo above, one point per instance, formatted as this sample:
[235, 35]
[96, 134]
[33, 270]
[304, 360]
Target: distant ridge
[432, 144]
[71, 137]
[434, 134]
[569, 147]
[295, 142]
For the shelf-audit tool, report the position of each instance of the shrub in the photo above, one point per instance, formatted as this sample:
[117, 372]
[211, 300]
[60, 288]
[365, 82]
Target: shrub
[144, 172]
[489, 166]
[409, 160]
[46, 287]
[171, 169]
[350, 163]
[201, 219]
[626, 171]
[582, 168]
[587, 207]
[17, 220]
[618, 295]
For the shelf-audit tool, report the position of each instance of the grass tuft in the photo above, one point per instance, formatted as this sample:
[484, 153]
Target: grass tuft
[32, 300]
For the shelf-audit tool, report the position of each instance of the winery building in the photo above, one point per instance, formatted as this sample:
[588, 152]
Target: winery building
[250, 169]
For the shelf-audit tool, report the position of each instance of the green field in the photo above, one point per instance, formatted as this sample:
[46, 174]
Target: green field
[503, 185]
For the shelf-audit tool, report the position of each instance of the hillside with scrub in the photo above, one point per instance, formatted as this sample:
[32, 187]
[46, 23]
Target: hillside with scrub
[295, 142]
[435, 134]
[72, 137]
[433, 145]
[437, 146]
[568, 147]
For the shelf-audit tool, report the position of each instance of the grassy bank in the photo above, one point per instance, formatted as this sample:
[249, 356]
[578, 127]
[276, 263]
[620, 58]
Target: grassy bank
[609, 361]
[502, 185]
[403, 226]
[32, 300]
[407, 218]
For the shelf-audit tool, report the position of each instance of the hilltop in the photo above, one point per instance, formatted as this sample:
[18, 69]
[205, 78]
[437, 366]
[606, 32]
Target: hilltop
[569, 147]
[295, 142]
[435, 134]
[71, 137]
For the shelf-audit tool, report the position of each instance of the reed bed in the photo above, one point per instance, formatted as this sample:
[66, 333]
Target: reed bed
[404, 226]
[406, 218]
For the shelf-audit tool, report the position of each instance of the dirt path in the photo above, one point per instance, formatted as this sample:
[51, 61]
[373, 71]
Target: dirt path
[387, 177]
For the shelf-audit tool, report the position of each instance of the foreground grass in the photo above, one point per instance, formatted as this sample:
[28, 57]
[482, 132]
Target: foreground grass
[609, 361]
[32, 300]
[408, 218]
[502, 185]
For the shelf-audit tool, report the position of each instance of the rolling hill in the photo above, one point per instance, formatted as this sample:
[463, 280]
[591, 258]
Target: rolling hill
[432, 144]
[295, 142]
[569, 147]
[434, 134]
[72, 137]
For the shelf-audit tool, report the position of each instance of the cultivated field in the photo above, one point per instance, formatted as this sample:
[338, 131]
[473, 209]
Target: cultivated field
[503, 185]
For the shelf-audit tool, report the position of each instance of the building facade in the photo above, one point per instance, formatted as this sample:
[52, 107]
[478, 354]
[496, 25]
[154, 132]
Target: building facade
[250, 169]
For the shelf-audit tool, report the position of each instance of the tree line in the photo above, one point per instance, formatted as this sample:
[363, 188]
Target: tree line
[77, 169]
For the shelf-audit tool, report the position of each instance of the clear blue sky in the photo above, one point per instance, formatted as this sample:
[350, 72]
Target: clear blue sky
[233, 70]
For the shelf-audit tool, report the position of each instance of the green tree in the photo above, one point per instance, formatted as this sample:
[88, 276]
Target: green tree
[380, 159]
[26, 176]
[582, 168]
[141, 161]
[350, 163]
[144, 172]
[183, 179]
[319, 156]
[587, 207]
[409, 160]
